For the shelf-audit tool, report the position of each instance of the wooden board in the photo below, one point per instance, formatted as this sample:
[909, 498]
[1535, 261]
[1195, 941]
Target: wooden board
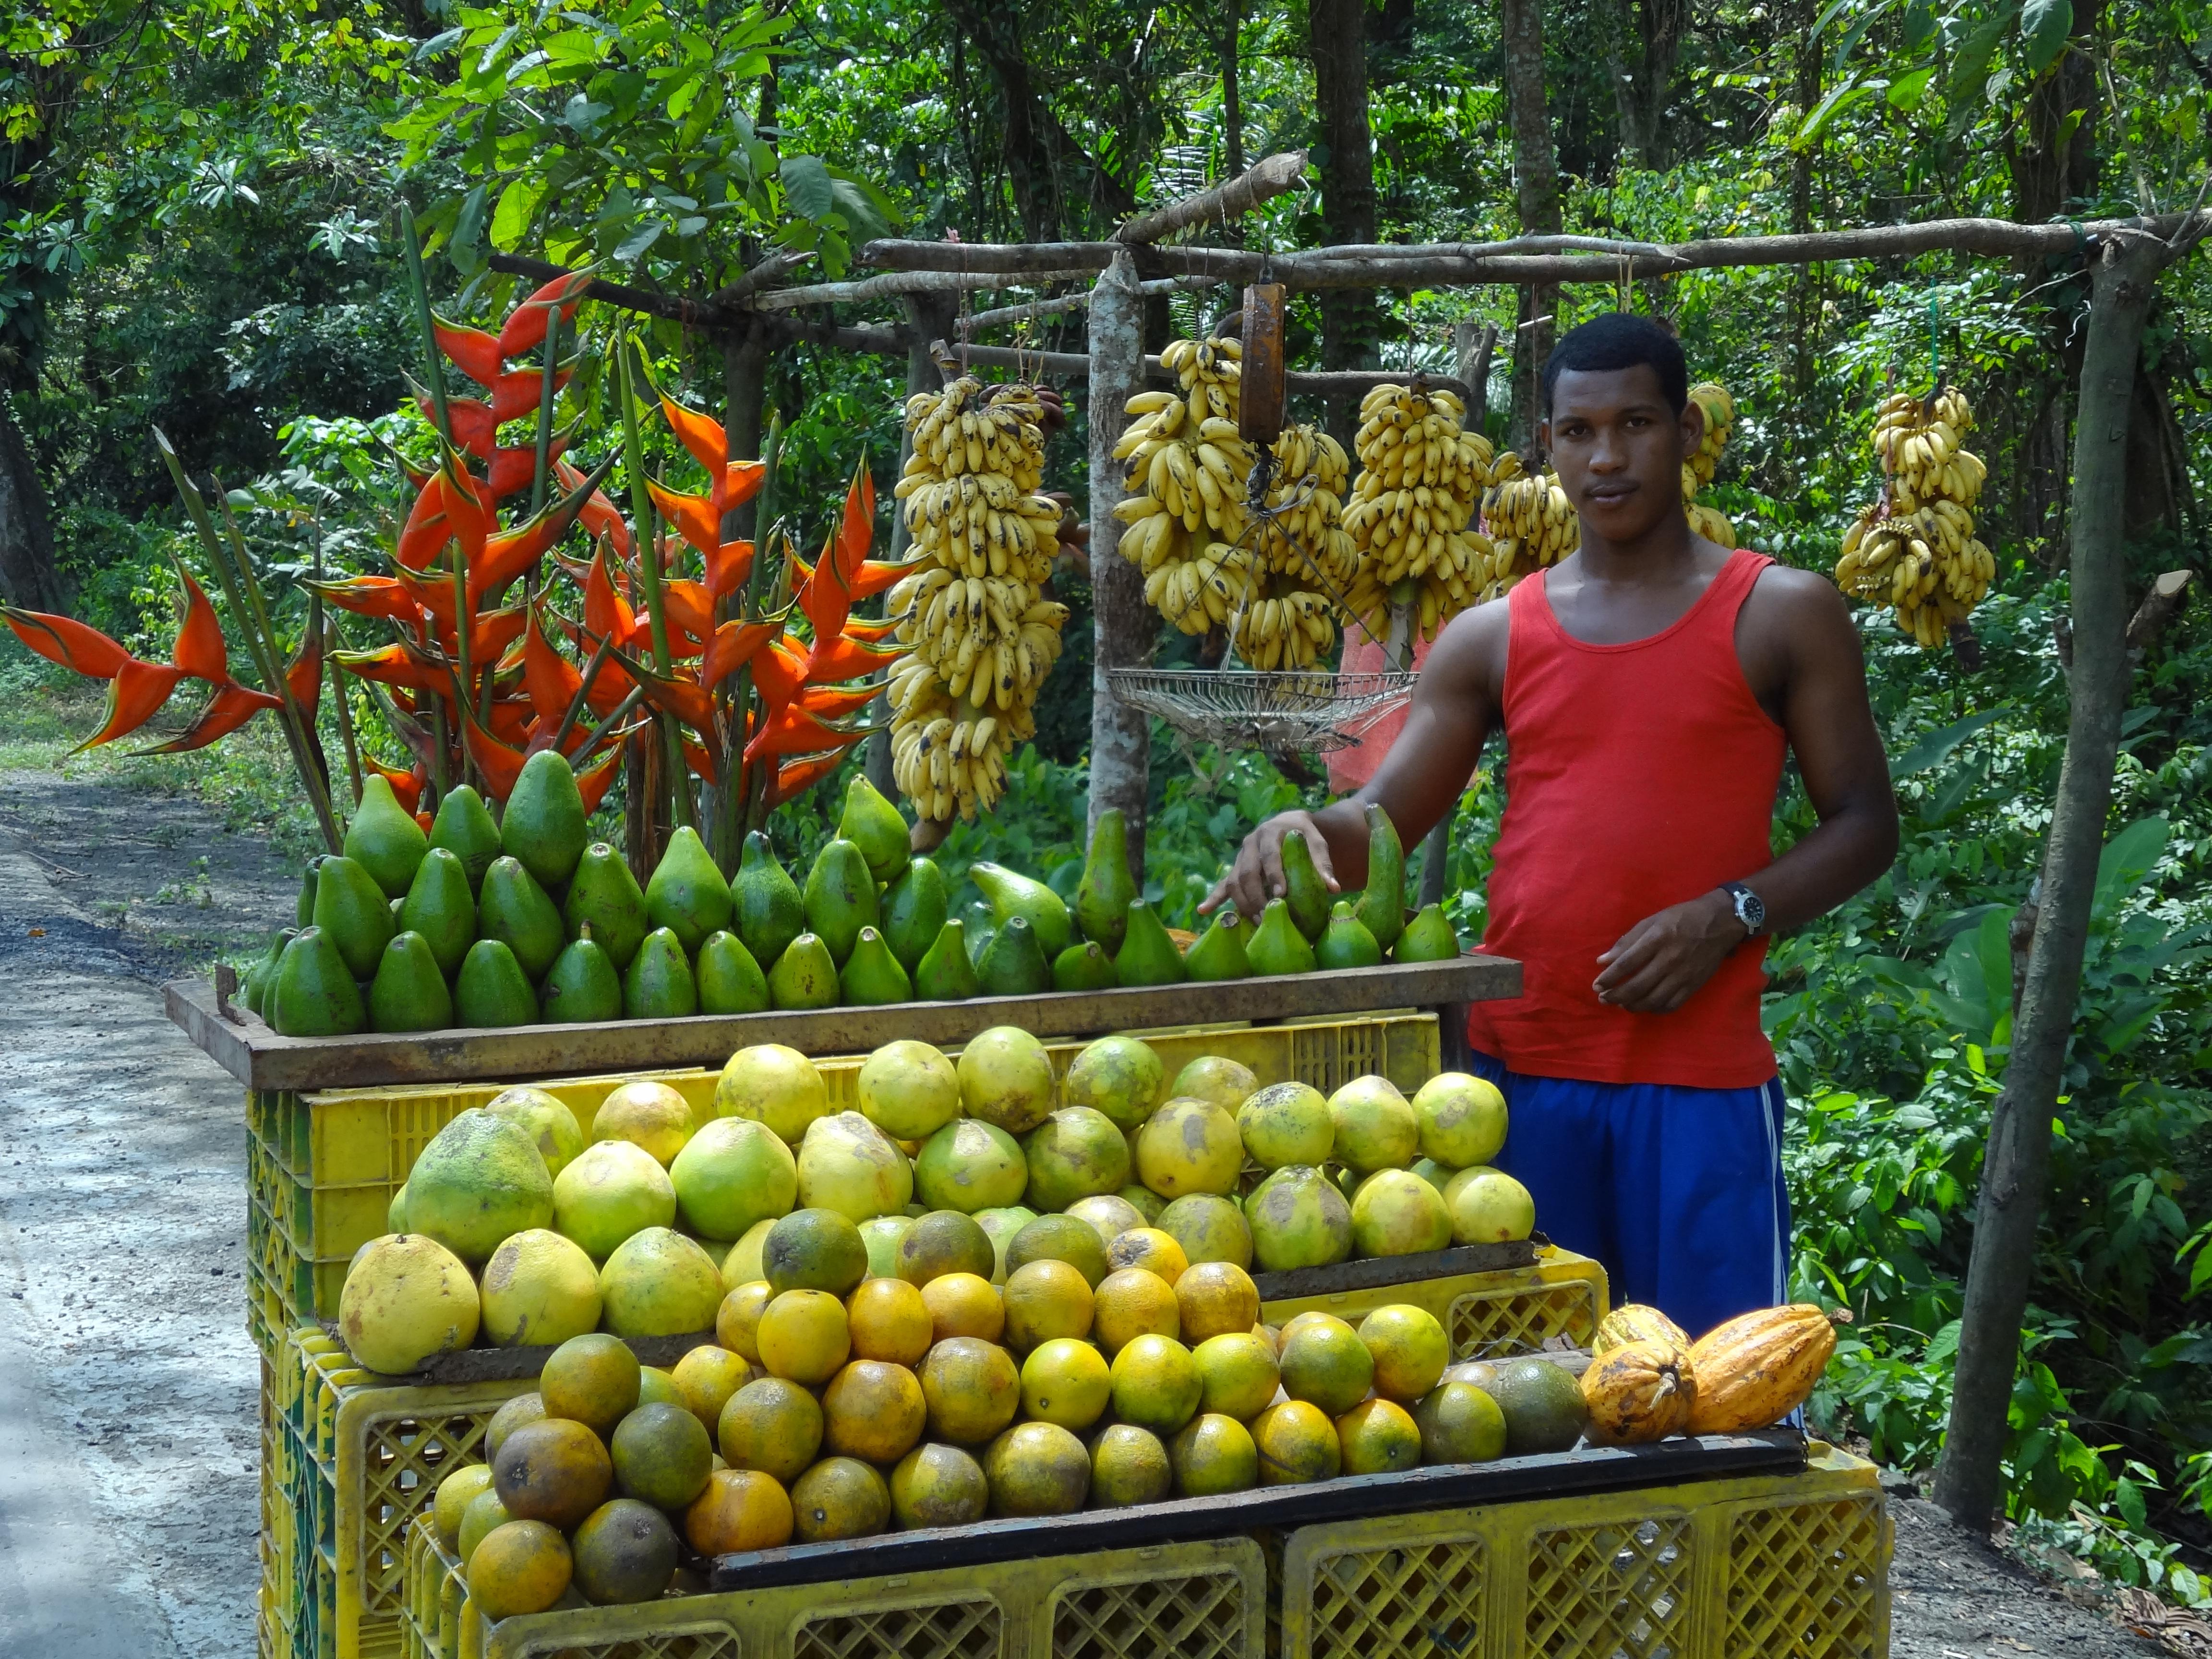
[1449, 1486]
[258, 1057]
[1376, 1272]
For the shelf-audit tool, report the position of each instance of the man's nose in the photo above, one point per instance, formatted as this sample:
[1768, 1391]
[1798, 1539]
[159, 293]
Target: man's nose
[1608, 452]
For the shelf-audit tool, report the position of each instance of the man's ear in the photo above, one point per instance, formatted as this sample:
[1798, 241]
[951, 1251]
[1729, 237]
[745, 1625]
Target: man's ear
[1693, 426]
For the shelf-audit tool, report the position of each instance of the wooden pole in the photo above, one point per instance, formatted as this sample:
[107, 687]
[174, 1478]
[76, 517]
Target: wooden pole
[2014, 1169]
[1226, 200]
[1125, 628]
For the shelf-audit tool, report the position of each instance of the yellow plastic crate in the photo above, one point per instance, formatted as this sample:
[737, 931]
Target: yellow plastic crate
[349, 1460]
[1790, 1566]
[1487, 1316]
[322, 1168]
[1202, 1601]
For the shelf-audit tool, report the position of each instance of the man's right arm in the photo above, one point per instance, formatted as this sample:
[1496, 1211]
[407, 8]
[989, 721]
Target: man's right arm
[1455, 706]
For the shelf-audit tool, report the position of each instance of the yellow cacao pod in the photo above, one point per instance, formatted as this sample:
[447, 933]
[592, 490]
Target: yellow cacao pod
[1758, 1367]
[1638, 1392]
[1633, 1321]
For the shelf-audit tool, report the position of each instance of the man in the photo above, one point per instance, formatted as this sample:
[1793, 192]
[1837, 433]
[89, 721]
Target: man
[1647, 686]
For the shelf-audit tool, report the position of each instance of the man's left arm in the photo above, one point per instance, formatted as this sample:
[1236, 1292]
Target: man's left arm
[1801, 642]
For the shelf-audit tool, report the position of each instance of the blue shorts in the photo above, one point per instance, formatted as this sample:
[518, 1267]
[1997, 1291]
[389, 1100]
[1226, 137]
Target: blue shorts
[1678, 1192]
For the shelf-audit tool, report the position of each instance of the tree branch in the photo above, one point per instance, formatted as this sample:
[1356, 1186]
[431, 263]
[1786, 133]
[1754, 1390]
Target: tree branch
[1241, 194]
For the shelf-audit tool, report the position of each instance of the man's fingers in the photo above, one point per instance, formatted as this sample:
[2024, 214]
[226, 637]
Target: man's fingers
[1622, 961]
[1319, 848]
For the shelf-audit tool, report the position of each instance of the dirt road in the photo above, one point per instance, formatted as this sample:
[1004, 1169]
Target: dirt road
[128, 1454]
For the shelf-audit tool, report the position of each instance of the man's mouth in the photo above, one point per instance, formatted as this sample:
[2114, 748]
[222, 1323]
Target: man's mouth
[1609, 492]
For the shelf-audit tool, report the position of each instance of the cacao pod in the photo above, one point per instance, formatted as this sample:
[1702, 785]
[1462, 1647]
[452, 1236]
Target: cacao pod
[1758, 1367]
[1638, 1392]
[1633, 1321]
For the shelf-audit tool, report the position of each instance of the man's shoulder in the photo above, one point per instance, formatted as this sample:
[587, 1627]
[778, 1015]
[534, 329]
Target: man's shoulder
[1788, 595]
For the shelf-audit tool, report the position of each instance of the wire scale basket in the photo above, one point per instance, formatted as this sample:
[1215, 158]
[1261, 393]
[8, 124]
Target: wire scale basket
[1308, 711]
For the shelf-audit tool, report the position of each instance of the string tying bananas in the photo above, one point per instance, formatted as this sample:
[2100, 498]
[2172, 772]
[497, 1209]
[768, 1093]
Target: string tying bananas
[983, 637]
[1421, 477]
[1914, 548]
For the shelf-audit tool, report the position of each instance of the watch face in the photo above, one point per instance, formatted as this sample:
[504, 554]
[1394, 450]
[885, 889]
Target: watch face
[1750, 910]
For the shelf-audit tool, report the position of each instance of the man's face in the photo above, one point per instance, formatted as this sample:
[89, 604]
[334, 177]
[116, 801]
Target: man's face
[1619, 449]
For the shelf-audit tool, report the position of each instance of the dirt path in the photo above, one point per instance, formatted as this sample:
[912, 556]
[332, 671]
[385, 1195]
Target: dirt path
[128, 1458]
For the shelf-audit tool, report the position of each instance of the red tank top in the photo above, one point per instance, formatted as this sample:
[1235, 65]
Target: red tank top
[1637, 777]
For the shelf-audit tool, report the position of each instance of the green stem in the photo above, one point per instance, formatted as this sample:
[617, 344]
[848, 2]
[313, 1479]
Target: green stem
[741, 795]
[433, 361]
[541, 479]
[648, 571]
[575, 709]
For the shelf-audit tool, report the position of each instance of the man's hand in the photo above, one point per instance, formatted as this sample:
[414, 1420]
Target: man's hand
[1257, 875]
[1658, 963]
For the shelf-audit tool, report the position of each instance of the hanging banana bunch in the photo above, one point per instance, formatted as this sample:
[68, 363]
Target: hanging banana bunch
[1290, 620]
[983, 637]
[1697, 472]
[1914, 549]
[1187, 467]
[1420, 478]
[1531, 525]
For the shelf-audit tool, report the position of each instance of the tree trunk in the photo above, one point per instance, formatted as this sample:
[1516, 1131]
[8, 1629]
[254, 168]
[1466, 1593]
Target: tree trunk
[1232, 102]
[1804, 322]
[1536, 186]
[1338, 41]
[1647, 40]
[2123, 284]
[29, 575]
[1121, 737]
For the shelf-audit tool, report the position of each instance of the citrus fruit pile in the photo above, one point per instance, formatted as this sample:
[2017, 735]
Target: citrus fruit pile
[838, 1402]
[515, 1228]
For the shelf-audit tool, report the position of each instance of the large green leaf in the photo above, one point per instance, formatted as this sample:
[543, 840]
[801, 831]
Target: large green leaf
[2044, 27]
[1936, 745]
[2128, 858]
[518, 206]
[807, 183]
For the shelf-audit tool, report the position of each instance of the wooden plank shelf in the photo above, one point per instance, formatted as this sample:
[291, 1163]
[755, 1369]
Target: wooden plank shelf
[257, 1056]
[1454, 1486]
[1379, 1272]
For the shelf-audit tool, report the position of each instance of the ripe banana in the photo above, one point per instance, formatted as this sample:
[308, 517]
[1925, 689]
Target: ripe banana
[1914, 549]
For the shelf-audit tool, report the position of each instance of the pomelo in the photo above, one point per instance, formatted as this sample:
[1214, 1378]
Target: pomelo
[1227, 1083]
[1077, 1152]
[1118, 1076]
[883, 1235]
[1209, 1227]
[538, 1289]
[1287, 1123]
[1376, 1128]
[909, 1090]
[1006, 1079]
[479, 1181]
[1108, 1214]
[971, 1165]
[1189, 1146]
[1398, 1213]
[733, 1173]
[847, 1164]
[646, 1113]
[407, 1299]
[1298, 1220]
[1000, 1225]
[1491, 1206]
[1462, 1119]
[546, 1119]
[613, 1189]
[659, 1283]
[741, 1262]
[774, 1085]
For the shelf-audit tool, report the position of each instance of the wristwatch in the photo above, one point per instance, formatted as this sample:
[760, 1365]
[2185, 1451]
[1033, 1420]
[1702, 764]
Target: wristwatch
[1750, 910]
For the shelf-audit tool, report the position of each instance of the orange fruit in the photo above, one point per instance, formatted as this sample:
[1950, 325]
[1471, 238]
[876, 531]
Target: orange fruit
[1066, 1381]
[1326, 1365]
[707, 1378]
[455, 1492]
[521, 1567]
[1037, 1468]
[556, 1471]
[1409, 1348]
[1150, 1248]
[1377, 1436]
[1044, 1300]
[1296, 1443]
[1212, 1454]
[771, 1426]
[1156, 1384]
[964, 1305]
[804, 1337]
[738, 1321]
[1299, 1322]
[938, 1485]
[740, 1510]
[592, 1380]
[971, 1388]
[872, 1410]
[889, 1321]
[523, 1408]
[1213, 1298]
[839, 1498]
[1237, 1374]
[1459, 1424]
[1128, 1465]
[1132, 1303]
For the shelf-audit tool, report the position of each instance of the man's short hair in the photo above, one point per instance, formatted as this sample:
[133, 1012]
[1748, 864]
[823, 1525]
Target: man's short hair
[1618, 340]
